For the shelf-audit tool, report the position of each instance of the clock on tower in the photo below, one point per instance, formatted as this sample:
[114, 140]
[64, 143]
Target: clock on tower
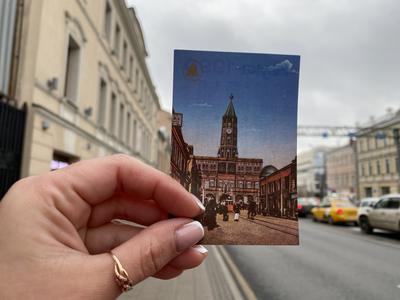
[228, 143]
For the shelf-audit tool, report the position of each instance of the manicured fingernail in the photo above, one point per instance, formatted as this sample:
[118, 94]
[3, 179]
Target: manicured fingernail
[188, 235]
[201, 249]
[199, 204]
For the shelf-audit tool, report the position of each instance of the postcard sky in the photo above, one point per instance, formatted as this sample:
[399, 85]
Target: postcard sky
[265, 90]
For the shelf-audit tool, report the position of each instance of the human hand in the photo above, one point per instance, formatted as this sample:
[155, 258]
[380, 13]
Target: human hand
[56, 231]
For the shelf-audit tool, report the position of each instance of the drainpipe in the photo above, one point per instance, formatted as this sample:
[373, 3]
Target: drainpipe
[396, 136]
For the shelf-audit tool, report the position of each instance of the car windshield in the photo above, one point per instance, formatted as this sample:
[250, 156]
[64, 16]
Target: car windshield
[344, 204]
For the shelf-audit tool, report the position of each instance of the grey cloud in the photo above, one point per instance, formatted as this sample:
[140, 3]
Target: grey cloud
[349, 49]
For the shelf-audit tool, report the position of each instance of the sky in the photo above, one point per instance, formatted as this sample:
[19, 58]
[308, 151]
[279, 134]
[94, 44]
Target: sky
[264, 89]
[349, 49]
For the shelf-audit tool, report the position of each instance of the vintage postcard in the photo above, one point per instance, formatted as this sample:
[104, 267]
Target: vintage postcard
[234, 135]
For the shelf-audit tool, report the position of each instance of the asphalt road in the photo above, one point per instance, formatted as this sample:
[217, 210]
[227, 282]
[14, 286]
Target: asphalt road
[332, 262]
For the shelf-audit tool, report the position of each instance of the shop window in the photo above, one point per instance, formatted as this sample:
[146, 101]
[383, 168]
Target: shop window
[61, 160]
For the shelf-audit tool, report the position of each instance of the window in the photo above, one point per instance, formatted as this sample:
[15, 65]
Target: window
[61, 160]
[124, 56]
[134, 130]
[368, 192]
[128, 129]
[387, 166]
[141, 91]
[72, 70]
[117, 40]
[107, 23]
[249, 185]
[383, 203]
[121, 121]
[136, 80]
[257, 185]
[102, 103]
[394, 203]
[112, 113]
[130, 72]
[385, 190]
[378, 167]
[369, 168]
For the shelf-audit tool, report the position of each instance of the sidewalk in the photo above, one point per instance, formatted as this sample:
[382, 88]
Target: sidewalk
[212, 280]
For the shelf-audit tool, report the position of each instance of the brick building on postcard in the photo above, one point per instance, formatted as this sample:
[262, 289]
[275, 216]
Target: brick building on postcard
[183, 163]
[278, 191]
[227, 177]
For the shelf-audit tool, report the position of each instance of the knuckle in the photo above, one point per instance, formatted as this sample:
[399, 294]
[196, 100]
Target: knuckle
[121, 157]
[150, 258]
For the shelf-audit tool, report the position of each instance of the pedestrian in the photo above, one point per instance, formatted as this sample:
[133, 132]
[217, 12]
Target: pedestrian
[236, 210]
[211, 214]
[224, 209]
[251, 212]
[59, 240]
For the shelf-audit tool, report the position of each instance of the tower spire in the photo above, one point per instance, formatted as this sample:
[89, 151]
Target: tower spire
[228, 143]
[230, 110]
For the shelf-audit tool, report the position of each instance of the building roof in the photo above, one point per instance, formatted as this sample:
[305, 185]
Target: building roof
[230, 110]
[268, 170]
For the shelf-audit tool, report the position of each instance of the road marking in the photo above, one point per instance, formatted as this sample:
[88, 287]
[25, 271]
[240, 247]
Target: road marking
[398, 286]
[242, 283]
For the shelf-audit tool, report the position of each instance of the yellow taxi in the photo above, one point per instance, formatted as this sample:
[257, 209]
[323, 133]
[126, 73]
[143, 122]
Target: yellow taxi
[336, 211]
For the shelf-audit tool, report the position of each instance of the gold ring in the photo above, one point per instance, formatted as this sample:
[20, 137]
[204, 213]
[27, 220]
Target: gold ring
[121, 275]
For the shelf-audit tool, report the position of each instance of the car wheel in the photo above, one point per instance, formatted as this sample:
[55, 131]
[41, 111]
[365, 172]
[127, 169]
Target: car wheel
[314, 219]
[365, 226]
[330, 221]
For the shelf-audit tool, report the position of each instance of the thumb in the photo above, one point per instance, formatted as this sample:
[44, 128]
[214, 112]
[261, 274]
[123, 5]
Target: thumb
[154, 247]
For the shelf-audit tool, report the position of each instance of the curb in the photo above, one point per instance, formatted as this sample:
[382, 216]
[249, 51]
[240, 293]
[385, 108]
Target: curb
[240, 288]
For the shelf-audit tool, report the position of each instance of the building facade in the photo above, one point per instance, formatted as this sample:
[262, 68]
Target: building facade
[341, 170]
[82, 71]
[180, 153]
[183, 164]
[278, 191]
[311, 175]
[164, 140]
[227, 177]
[378, 152]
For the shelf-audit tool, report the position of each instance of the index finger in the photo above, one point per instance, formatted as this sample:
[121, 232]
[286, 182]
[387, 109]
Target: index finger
[97, 180]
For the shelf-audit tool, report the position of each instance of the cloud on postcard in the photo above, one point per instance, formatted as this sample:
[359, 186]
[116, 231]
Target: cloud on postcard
[284, 66]
[201, 105]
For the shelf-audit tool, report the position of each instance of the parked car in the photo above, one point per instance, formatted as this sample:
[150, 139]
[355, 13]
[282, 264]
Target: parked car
[365, 206]
[335, 211]
[384, 214]
[305, 205]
